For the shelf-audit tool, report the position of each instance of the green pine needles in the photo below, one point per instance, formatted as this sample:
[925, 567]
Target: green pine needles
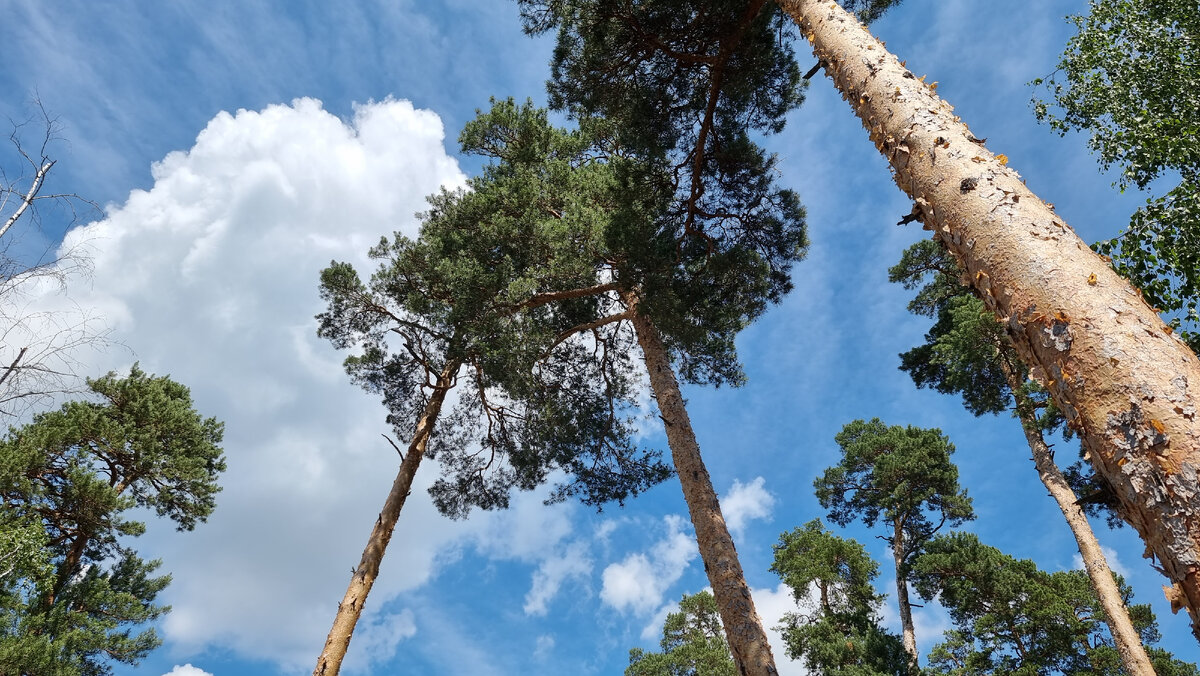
[74, 596]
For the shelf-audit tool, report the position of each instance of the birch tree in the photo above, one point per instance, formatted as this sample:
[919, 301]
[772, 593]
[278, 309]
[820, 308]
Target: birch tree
[38, 348]
[1120, 376]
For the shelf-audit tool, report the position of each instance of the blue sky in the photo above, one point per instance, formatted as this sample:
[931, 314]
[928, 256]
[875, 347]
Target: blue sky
[238, 147]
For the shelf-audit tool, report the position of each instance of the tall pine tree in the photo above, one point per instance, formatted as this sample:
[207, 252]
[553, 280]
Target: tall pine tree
[902, 479]
[1064, 309]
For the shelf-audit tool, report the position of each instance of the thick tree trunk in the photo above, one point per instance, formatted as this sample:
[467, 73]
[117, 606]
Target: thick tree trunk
[1126, 384]
[906, 622]
[743, 628]
[1128, 642]
[363, 578]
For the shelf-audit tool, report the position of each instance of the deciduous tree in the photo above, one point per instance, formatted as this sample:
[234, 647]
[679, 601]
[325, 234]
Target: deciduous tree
[1130, 77]
[38, 349]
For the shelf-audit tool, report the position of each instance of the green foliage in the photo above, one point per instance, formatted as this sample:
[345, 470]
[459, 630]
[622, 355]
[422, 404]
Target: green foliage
[902, 476]
[682, 85]
[841, 634]
[693, 643]
[467, 292]
[1010, 617]
[1131, 78]
[72, 605]
[967, 352]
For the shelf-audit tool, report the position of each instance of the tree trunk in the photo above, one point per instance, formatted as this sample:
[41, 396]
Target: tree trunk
[1125, 383]
[743, 628]
[363, 578]
[906, 621]
[1128, 642]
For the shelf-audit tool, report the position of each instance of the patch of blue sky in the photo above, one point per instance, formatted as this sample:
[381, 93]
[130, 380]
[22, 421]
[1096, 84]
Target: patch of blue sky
[133, 81]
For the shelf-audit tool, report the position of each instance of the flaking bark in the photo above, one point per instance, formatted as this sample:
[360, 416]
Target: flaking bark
[350, 609]
[1126, 385]
[743, 628]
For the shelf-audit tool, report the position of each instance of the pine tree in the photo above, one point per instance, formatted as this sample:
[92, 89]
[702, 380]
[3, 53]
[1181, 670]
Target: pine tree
[840, 635]
[967, 352]
[630, 265]
[693, 643]
[468, 305]
[1066, 311]
[903, 479]
[1010, 617]
[75, 473]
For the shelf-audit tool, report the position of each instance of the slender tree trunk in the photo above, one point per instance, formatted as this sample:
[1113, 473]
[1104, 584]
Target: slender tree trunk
[743, 628]
[350, 609]
[906, 621]
[1128, 642]
[1125, 383]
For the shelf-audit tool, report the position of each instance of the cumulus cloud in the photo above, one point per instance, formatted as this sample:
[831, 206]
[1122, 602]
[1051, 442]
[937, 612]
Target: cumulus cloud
[187, 670]
[745, 502]
[211, 275]
[639, 581]
[772, 605]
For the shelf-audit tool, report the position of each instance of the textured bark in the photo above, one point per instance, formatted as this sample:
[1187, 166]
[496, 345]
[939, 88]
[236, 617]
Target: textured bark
[1126, 384]
[909, 634]
[363, 578]
[743, 628]
[1116, 615]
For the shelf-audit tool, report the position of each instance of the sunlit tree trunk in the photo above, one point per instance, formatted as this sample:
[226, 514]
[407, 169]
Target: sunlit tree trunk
[350, 609]
[743, 628]
[1128, 642]
[1126, 385]
[908, 633]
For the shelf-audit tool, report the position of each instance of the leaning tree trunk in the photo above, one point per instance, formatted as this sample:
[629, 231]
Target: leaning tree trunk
[909, 634]
[1125, 383]
[743, 628]
[1128, 642]
[363, 578]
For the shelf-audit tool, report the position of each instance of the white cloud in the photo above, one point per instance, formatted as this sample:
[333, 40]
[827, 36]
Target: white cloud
[771, 605]
[376, 639]
[639, 581]
[211, 276]
[745, 502]
[573, 563]
[187, 670]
